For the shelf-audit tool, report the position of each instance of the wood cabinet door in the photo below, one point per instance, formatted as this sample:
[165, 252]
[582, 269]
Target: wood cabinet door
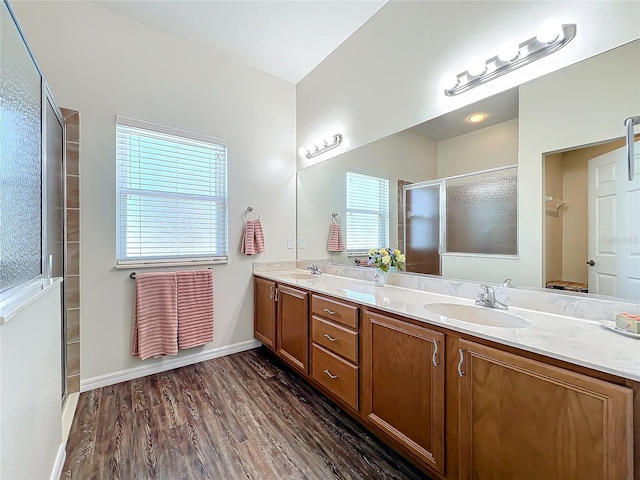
[403, 385]
[522, 419]
[264, 311]
[293, 327]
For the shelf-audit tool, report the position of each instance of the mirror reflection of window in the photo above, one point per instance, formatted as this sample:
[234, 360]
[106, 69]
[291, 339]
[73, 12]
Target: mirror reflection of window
[367, 222]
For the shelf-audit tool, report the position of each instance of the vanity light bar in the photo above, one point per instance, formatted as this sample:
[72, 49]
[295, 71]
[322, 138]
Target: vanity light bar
[316, 149]
[511, 57]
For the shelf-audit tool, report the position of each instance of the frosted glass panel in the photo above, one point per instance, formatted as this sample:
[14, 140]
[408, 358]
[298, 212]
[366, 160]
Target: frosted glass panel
[20, 159]
[482, 214]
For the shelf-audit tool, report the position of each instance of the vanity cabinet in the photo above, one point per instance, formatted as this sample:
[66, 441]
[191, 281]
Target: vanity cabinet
[434, 394]
[264, 311]
[520, 418]
[292, 327]
[403, 385]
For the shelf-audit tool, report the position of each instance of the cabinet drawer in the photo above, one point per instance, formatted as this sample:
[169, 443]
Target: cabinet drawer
[336, 338]
[336, 375]
[336, 311]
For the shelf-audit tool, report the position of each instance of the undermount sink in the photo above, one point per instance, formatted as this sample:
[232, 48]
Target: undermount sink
[300, 276]
[480, 315]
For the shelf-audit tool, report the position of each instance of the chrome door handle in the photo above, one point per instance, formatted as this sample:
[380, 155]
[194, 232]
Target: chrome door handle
[330, 312]
[434, 358]
[629, 123]
[460, 372]
[330, 337]
[331, 376]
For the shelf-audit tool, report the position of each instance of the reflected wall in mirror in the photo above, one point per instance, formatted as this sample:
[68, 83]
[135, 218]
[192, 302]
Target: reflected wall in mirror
[584, 104]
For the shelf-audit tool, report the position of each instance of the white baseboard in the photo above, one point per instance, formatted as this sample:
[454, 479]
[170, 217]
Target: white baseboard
[59, 464]
[167, 363]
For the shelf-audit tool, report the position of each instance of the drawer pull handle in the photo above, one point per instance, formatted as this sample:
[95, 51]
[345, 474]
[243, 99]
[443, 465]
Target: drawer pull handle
[330, 312]
[460, 372]
[434, 359]
[331, 376]
[330, 337]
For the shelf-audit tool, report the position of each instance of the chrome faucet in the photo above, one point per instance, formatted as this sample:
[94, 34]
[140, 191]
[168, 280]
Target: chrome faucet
[313, 268]
[487, 298]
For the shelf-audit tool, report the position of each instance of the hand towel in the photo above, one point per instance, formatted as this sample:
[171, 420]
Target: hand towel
[155, 321]
[252, 238]
[336, 244]
[195, 308]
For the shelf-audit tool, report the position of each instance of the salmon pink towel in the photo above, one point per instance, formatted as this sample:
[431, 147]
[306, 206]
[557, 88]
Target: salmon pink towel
[252, 238]
[155, 322]
[195, 308]
[336, 244]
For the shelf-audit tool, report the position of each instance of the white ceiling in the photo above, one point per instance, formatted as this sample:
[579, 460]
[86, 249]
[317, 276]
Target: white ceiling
[286, 39]
[498, 108]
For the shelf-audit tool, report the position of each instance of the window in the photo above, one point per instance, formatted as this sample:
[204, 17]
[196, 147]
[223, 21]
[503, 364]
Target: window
[171, 195]
[367, 211]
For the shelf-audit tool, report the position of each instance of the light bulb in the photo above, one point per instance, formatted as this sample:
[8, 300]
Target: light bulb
[477, 67]
[550, 31]
[476, 117]
[450, 81]
[508, 51]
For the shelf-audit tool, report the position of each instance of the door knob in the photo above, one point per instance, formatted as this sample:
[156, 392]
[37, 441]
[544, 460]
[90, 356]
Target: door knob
[591, 263]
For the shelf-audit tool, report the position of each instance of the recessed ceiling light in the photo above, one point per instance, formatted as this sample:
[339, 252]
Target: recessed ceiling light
[476, 117]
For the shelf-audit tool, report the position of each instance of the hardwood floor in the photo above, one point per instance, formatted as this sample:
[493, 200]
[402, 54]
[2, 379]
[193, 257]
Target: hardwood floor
[235, 417]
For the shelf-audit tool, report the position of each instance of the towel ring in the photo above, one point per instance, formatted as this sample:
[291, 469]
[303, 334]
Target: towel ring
[249, 210]
[336, 218]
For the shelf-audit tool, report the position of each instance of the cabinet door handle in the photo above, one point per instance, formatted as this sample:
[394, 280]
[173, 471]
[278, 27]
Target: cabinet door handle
[330, 337]
[434, 359]
[333, 377]
[271, 292]
[330, 312]
[460, 372]
[276, 294]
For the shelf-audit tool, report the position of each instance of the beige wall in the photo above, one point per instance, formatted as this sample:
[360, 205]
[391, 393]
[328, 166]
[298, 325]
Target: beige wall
[103, 64]
[30, 391]
[491, 147]
[553, 217]
[322, 187]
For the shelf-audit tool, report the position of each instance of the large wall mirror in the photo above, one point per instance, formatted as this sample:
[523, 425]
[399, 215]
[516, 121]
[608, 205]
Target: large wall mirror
[575, 223]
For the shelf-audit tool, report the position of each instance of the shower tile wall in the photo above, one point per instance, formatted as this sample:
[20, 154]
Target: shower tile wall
[72, 151]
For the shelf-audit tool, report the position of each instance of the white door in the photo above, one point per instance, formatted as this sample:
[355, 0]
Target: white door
[614, 226]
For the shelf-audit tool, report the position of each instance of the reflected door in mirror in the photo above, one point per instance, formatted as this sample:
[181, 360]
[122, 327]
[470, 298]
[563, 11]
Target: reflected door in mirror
[422, 228]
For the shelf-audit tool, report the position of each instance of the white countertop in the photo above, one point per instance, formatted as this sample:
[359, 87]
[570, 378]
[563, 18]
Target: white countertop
[574, 340]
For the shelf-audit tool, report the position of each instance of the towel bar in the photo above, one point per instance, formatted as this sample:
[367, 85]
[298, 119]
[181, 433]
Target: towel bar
[132, 275]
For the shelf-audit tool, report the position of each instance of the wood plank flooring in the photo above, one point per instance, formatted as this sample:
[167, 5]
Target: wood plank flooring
[244, 416]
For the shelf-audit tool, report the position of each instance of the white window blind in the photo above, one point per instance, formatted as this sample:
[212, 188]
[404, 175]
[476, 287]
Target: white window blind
[171, 198]
[367, 211]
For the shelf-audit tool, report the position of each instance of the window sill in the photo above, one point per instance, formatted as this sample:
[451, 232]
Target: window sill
[129, 266]
[19, 300]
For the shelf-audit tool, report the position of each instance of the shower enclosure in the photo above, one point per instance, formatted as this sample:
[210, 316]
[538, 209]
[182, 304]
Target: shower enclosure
[471, 214]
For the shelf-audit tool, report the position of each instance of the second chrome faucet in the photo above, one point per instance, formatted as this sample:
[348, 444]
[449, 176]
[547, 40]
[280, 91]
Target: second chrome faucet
[487, 298]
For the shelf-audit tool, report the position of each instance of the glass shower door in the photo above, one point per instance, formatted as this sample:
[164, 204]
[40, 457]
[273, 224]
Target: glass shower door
[422, 228]
[54, 215]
